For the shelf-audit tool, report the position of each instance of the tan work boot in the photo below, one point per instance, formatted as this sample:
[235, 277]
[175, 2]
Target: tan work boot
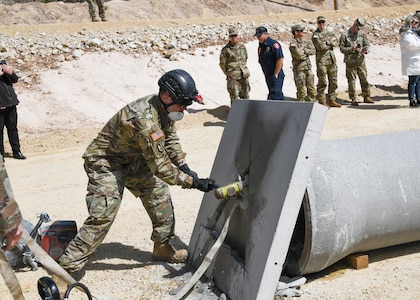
[368, 100]
[94, 19]
[104, 19]
[332, 103]
[354, 102]
[163, 251]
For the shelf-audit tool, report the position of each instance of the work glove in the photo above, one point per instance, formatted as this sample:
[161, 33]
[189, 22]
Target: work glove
[186, 170]
[204, 184]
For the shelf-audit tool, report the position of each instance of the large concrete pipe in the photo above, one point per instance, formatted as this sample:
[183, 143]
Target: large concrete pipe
[363, 194]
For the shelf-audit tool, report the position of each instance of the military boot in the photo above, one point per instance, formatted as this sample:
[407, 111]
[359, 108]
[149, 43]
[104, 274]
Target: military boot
[94, 19]
[104, 19]
[164, 251]
[332, 103]
[322, 101]
[354, 102]
[368, 100]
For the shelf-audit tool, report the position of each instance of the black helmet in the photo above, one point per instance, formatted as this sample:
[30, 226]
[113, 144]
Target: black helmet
[180, 85]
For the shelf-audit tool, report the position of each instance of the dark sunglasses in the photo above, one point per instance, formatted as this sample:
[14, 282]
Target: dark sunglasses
[321, 22]
[299, 30]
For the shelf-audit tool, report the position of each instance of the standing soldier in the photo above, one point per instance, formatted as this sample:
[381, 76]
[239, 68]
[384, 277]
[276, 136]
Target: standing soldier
[354, 45]
[302, 68]
[233, 59]
[101, 9]
[324, 43]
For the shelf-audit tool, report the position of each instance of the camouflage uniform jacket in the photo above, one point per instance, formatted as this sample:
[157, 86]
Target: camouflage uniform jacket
[324, 43]
[233, 60]
[142, 131]
[10, 215]
[347, 41]
[300, 51]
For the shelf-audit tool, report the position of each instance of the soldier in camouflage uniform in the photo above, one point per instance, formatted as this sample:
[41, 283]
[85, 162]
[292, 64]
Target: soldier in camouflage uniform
[138, 149]
[300, 50]
[233, 58]
[100, 4]
[11, 227]
[324, 42]
[354, 45]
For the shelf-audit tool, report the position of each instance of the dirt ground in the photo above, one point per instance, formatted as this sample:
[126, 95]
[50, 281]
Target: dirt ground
[61, 114]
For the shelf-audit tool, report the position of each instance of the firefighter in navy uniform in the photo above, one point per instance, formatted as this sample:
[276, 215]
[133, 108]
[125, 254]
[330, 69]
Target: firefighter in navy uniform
[270, 57]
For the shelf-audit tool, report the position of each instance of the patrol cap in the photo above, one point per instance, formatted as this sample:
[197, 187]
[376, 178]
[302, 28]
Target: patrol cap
[320, 19]
[233, 31]
[360, 22]
[417, 14]
[260, 30]
[297, 27]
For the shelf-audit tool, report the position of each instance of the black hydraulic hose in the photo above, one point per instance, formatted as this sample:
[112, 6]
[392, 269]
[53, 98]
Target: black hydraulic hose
[80, 285]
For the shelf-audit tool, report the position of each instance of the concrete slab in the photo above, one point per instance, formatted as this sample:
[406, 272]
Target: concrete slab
[274, 142]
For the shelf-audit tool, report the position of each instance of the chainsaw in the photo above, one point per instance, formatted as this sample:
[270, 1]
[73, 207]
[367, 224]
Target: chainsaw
[53, 237]
[21, 255]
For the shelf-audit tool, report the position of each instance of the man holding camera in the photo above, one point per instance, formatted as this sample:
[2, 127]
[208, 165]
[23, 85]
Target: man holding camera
[8, 110]
[354, 45]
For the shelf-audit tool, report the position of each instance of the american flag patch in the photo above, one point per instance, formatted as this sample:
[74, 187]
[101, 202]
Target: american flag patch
[156, 135]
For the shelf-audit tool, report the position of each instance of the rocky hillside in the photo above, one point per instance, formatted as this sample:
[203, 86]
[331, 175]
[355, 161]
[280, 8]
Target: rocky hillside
[36, 35]
[76, 11]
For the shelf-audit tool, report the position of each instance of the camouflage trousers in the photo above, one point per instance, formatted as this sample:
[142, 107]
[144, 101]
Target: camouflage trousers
[91, 4]
[351, 73]
[323, 72]
[238, 89]
[105, 190]
[305, 86]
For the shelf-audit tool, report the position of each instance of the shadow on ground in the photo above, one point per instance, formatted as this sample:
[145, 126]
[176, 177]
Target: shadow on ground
[339, 268]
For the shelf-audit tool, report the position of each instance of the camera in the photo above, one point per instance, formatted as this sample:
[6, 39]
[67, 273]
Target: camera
[3, 62]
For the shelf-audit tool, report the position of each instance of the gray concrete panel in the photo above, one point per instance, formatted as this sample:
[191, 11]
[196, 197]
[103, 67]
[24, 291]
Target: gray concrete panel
[275, 143]
[363, 194]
